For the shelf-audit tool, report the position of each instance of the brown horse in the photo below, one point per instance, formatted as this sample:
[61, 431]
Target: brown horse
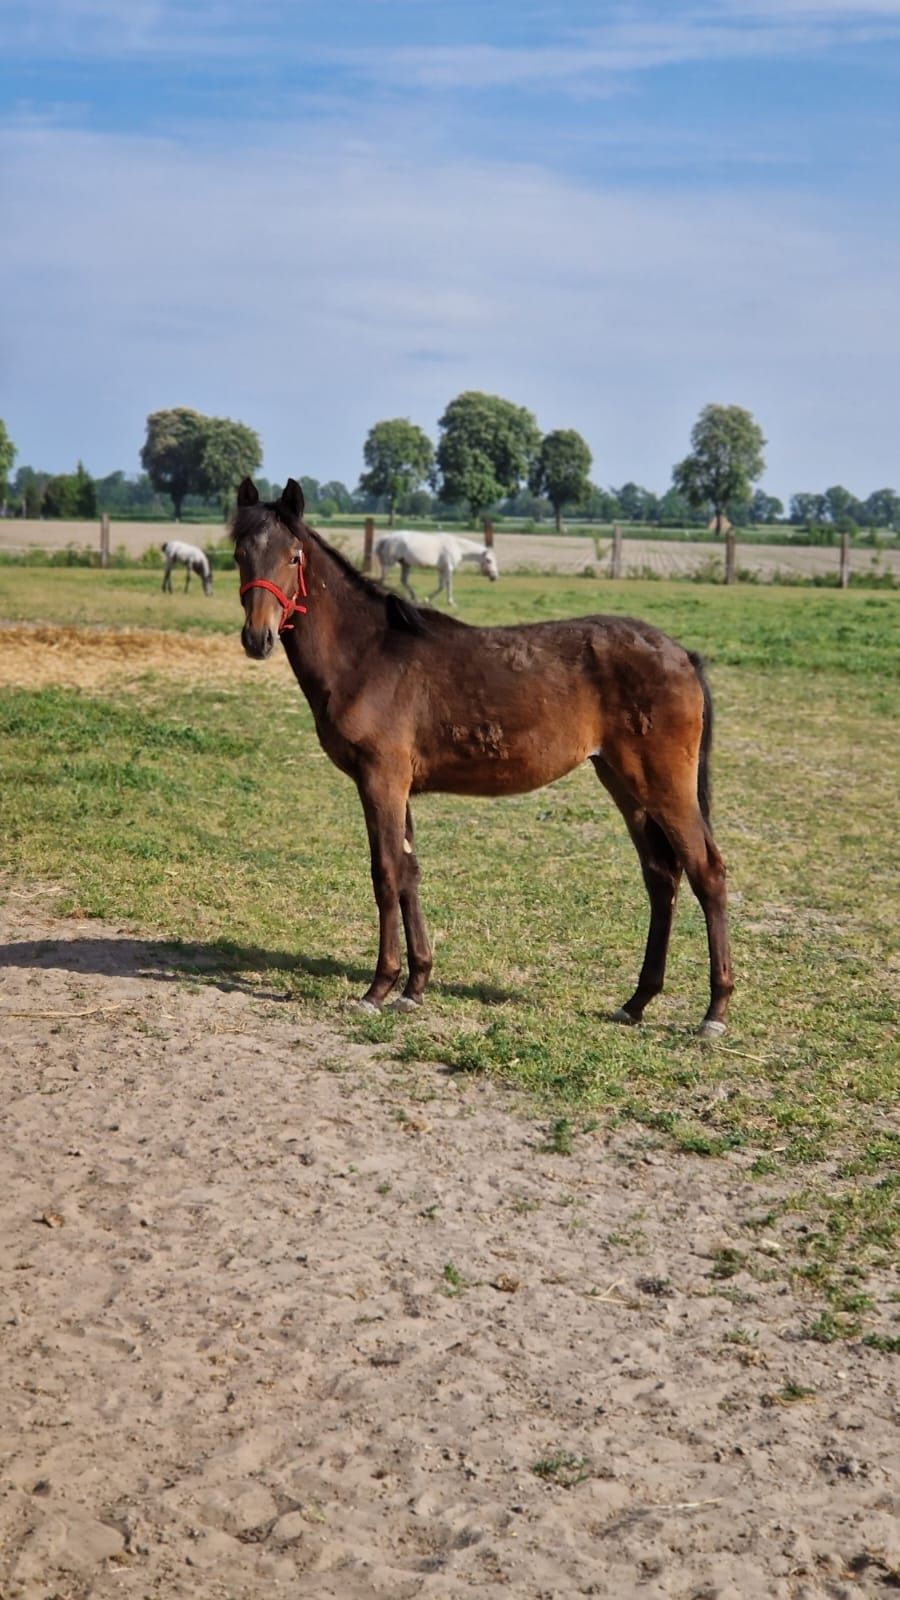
[409, 702]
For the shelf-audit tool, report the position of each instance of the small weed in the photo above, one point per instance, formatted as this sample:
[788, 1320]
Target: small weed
[559, 1138]
[563, 1468]
[454, 1282]
[789, 1394]
[889, 1343]
[727, 1263]
[827, 1328]
[384, 1188]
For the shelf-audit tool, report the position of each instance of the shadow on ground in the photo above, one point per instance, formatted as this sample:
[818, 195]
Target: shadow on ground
[246, 968]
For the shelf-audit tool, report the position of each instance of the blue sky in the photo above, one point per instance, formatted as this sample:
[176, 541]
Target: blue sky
[310, 216]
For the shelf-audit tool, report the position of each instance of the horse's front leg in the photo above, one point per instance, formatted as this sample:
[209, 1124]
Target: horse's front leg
[404, 578]
[444, 583]
[384, 804]
[418, 946]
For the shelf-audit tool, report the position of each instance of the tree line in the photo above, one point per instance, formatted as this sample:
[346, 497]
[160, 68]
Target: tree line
[490, 457]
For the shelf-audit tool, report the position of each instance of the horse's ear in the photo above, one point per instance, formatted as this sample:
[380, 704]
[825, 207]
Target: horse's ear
[292, 498]
[247, 493]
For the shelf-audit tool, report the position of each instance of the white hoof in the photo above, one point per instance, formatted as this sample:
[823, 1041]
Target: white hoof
[367, 1008]
[621, 1015]
[405, 1002]
[710, 1029]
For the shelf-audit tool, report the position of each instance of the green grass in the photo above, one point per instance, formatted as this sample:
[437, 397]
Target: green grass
[856, 632]
[210, 816]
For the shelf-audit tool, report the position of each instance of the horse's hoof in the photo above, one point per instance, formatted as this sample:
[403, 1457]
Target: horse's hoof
[368, 1008]
[711, 1029]
[405, 1002]
[625, 1017]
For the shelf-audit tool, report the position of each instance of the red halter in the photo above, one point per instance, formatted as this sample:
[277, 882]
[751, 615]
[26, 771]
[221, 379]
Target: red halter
[288, 603]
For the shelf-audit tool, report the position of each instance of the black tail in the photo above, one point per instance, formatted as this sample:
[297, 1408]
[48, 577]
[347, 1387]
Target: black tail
[704, 787]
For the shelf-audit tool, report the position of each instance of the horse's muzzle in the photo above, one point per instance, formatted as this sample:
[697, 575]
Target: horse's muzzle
[257, 641]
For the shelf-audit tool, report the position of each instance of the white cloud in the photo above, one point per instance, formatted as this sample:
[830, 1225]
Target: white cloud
[311, 285]
[633, 39]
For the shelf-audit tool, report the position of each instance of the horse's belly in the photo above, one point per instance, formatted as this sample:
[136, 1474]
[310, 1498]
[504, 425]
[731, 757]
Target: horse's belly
[486, 759]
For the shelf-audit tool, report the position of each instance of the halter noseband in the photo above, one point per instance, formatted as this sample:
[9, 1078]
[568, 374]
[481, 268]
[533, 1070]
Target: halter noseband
[288, 603]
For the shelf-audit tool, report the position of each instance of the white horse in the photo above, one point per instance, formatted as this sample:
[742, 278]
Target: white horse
[441, 550]
[195, 560]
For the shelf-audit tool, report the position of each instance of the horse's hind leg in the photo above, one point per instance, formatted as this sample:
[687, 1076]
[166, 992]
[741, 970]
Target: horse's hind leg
[662, 874]
[705, 871]
[676, 809]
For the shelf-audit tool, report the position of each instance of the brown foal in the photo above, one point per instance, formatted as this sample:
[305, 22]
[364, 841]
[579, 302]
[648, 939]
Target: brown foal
[407, 701]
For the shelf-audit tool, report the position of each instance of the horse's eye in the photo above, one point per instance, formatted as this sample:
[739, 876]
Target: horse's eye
[295, 560]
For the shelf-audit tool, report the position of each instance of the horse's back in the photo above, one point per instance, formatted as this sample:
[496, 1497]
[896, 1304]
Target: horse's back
[418, 547]
[190, 554]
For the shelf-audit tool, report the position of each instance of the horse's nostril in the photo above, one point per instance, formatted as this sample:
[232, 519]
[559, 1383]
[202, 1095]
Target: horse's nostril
[257, 642]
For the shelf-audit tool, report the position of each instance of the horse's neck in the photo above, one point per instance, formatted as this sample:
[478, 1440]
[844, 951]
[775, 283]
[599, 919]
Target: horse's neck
[469, 550]
[328, 645]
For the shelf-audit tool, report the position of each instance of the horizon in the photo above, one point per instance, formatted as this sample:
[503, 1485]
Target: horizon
[612, 223]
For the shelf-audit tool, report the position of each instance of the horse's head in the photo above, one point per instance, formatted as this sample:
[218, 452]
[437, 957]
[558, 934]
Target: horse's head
[269, 548]
[489, 567]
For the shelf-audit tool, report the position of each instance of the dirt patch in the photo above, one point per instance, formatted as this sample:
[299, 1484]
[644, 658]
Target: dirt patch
[103, 658]
[281, 1317]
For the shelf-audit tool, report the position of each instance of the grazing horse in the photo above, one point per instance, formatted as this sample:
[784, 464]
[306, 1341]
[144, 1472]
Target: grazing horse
[442, 550]
[408, 702]
[195, 560]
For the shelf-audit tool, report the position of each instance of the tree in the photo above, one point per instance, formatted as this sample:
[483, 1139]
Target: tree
[70, 494]
[486, 449]
[602, 505]
[636, 504]
[673, 509]
[28, 489]
[172, 454]
[399, 457]
[7, 457]
[765, 508]
[231, 451]
[725, 459]
[338, 493]
[187, 453]
[807, 509]
[842, 506]
[561, 470]
[882, 509]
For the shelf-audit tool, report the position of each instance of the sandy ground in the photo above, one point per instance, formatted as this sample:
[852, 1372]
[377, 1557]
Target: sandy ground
[280, 1317]
[517, 552]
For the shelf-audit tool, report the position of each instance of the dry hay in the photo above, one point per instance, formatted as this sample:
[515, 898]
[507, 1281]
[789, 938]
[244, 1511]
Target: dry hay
[36, 657]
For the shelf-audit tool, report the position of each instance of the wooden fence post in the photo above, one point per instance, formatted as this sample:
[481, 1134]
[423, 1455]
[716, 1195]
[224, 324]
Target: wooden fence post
[730, 557]
[368, 542]
[104, 539]
[488, 533]
[845, 560]
[615, 569]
